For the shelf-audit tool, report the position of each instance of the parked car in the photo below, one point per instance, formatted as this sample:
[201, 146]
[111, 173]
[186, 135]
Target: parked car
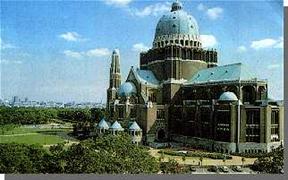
[213, 169]
[237, 169]
[224, 169]
[192, 168]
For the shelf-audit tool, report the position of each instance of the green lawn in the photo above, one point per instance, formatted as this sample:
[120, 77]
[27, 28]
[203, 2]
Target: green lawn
[22, 130]
[37, 138]
[41, 136]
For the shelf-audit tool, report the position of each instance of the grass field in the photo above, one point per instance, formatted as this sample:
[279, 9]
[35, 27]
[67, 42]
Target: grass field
[41, 136]
[36, 138]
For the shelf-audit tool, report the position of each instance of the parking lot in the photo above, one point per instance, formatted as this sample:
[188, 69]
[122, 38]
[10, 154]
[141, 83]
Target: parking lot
[205, 171]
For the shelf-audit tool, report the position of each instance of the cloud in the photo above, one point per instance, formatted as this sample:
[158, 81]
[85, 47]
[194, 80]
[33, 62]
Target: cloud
[97, 52]
[154, 10]
[241, 49]
[267, 43]
[73, 54]
[150, 10]
[208, 41]
[201, 7]
[275, 66]
[139, 47]
[6, 61]
[4, 45]
[100, 52]
[120, 3]
[71, 36]
[212, 13]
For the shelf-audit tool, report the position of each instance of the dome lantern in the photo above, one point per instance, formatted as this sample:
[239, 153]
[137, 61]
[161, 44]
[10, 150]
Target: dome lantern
[176, 6]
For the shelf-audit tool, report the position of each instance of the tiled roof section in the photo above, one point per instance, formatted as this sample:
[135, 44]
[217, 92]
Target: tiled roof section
[230, 72]
[146, 76]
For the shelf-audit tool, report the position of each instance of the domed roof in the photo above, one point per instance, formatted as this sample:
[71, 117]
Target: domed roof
[116, 126]
[127, 89]
[135, 127]
[228, 96]
[103, 124]
[177, 21]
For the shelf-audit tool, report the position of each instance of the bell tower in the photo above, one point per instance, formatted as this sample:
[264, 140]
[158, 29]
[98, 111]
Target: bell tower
[115, 78]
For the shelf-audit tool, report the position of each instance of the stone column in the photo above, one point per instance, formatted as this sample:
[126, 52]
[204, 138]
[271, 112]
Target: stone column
[267, 119]
[233, 123]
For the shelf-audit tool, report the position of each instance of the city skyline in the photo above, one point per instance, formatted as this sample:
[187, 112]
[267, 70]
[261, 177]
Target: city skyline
[61, 50]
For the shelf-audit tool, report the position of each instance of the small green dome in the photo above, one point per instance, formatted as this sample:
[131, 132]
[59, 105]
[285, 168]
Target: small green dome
[127, 89]
[228, 96]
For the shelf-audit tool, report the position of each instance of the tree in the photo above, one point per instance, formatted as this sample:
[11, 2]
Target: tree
[162, 155]
[172, 166]
[110, 154]
[184, 158]
[201, 160]
[20, 158]
[273, 163]
[224, 160]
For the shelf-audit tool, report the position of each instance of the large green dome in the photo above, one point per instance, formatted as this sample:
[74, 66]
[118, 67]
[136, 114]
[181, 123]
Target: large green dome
[177, 27]
[177, 22]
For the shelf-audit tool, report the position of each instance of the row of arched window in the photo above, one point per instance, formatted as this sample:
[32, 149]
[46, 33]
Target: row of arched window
[181, 42]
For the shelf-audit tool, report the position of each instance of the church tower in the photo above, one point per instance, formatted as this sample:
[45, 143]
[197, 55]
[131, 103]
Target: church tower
[115, 78]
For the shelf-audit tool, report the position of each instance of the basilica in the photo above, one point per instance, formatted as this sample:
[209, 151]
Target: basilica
[180, 94]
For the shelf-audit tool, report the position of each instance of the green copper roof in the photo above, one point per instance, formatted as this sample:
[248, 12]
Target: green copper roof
[116, 126]
[230, 72]
[127, 89]
[135, 127]
[103, 124]
[146, 77]
[228, 96]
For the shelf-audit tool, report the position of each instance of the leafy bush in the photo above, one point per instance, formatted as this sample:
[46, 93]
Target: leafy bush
[170, 167]
[272, 163]
[31, 115]
[109, 154]
[251, 155]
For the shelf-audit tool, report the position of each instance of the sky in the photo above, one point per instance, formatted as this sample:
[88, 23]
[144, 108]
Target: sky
[60, 50]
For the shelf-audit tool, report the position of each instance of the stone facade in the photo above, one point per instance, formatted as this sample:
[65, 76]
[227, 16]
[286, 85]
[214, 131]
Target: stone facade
[176, 95]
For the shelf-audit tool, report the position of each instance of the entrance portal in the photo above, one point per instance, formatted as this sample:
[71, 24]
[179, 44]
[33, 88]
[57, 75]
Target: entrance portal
[161, 135]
